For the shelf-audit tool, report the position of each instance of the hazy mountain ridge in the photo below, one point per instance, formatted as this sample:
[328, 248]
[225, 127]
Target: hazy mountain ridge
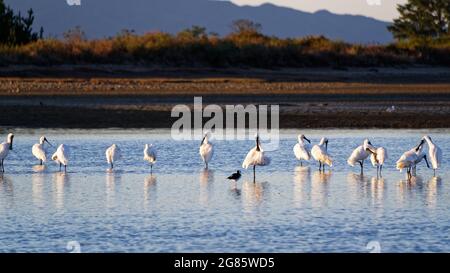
[100, 18]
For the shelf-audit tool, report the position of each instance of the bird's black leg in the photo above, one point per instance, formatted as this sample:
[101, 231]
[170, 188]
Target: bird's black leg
[40, 162]
[320, 166]
[112, 165]
[362, 167]
[254, 173]
[65, 168]
[301, 163]
[151, 169]
[3, 170]
[60, 166]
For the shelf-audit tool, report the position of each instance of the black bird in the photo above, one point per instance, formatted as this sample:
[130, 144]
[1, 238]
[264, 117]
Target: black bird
[235, 176]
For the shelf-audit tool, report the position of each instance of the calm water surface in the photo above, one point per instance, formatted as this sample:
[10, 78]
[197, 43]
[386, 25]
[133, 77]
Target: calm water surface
[183, 208]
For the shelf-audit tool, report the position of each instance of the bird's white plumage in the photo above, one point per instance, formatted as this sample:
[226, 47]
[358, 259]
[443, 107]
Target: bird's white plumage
[360, 153]
[301, 149]
[379, 157]
[408, 159]
[39, 151]
[6, 146]
[61, 156]
[150, 154]
[4, 150]
[112, 154]
[206, 150]
[319, 153]
[434, 153]
[256, 157]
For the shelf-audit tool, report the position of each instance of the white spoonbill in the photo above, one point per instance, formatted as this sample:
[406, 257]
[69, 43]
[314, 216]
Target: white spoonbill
[378, 157]
[150, 155]
[61, 156]
[420, 156]
[256, 157]
[301, 149]
[360, 154]
[39, 150]
[319, 153]
[410, 159]
[5, 147]
[434, 153]
[206, 150]
[112, 154]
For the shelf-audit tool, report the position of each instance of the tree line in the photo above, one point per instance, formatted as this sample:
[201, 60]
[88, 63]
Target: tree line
[421, 33]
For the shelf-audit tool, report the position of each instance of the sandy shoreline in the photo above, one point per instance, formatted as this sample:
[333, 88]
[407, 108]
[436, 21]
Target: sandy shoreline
[315, 98]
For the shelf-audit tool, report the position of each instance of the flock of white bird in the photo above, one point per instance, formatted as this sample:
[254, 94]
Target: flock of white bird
[256, 156]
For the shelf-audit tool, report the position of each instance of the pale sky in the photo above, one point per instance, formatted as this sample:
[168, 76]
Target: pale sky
[379, 9]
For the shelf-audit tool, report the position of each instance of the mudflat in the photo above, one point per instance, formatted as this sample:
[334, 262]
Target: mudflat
[130, 97]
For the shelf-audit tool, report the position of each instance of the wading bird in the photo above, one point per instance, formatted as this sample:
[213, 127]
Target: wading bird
[301, 149]
[360, 154]
[411, 158]
[5, 147]
[39, 150]
[256, 157]
[150, 155]
[377, 158]
[206, 150]
[320, 153]
[112, 155]
[434, 153]
[61, 156]
[235, 176]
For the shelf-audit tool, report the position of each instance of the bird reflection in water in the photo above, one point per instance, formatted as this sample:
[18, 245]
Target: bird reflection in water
[235, 191]
[253, 193]
[112, 178]
[319, 188]
[377, 187]
[302, 177]
[149, 189]
[6, 186]
[433, 187]
[409, 186]
[38, 168]
[206, 180]
[359, 184]
[37, 180]
[60, 181]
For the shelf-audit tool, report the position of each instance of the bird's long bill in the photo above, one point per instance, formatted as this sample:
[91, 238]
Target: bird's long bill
[202, 140]
[48, 142]
[370, 151]
[307, 139]
[257, 143]
[326, 145]
[420, 145]
[426, 161]
[11, 143]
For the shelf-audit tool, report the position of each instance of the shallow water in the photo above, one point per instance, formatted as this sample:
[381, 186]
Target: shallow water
[183, 208]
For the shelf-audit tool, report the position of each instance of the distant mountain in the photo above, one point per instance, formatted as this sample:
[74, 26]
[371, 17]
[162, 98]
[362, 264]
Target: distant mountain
[100, 18]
